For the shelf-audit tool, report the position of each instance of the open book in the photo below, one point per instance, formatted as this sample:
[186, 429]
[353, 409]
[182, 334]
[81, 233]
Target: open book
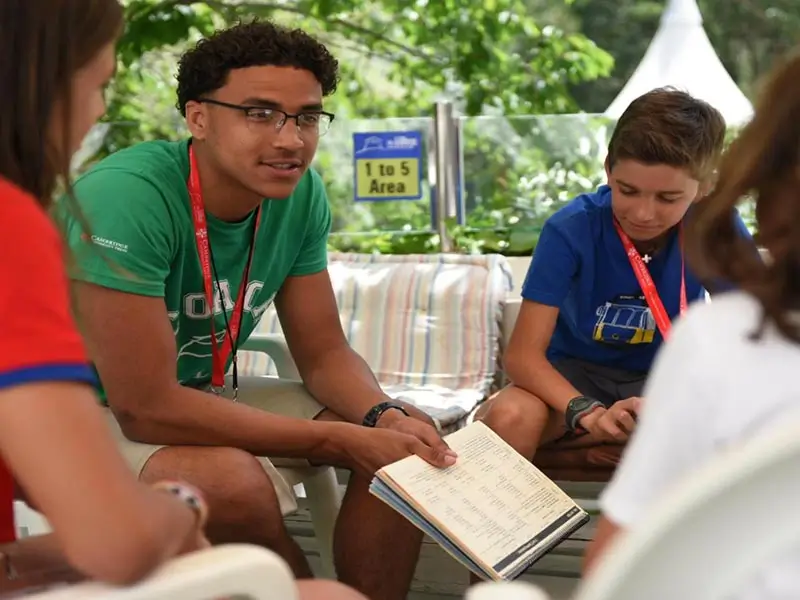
[493, 511]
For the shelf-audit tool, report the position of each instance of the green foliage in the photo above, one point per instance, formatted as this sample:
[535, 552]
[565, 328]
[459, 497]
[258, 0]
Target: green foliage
[492, 58]
[142, 98]
[485, 54]
[397, 57]
[517, 172]
[153, 25]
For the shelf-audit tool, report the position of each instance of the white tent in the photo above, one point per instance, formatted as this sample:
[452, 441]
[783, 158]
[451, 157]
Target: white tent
[682, 56]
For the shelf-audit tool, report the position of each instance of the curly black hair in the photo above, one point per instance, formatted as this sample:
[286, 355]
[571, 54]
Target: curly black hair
[205, 67]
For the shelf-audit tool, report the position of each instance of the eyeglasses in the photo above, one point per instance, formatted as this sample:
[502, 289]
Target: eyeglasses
[313, 122]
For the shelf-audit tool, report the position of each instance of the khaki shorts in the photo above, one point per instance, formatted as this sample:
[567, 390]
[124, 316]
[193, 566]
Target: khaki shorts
[287, 398]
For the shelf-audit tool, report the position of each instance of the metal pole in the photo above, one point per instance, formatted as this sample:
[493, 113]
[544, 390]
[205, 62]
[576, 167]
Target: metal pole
[461, 191]
[446, 168]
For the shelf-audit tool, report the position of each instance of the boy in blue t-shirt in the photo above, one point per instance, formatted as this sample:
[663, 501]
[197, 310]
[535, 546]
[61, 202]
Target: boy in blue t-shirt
[606, 280]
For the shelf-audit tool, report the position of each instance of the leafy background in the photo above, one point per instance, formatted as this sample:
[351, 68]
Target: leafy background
[526, 76]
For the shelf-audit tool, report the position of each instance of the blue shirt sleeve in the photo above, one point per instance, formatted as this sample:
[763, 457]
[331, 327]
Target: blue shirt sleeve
[552, 268]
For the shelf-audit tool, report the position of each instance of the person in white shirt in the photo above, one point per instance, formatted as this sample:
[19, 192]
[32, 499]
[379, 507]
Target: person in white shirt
[730, 368]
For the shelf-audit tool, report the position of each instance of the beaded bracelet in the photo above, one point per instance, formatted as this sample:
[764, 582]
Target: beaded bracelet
[189, 495]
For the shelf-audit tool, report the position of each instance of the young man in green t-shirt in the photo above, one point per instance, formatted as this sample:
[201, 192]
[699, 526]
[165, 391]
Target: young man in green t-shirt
[230, 220]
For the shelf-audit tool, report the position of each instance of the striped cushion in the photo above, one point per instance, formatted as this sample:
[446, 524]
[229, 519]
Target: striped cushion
[428, 325]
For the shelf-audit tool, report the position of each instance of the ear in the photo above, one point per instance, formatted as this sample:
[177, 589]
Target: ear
[704, 189]
[607, 167]
[197, 120]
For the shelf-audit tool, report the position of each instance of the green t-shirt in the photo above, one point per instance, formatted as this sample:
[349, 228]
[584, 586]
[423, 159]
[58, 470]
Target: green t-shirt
[137, 207]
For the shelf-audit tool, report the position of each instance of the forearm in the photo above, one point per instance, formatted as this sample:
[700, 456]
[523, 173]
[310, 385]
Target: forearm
[107, 525]
[539, 377]
[342, 381]
[141, 532]
[186, 416]
[119, 548]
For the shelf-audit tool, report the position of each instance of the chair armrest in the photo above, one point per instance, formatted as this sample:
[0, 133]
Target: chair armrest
[506, 590]
[223, 571]
[274, 345]
[510, 314]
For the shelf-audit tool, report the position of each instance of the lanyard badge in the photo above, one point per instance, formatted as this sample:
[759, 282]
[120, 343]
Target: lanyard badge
[646, 281]
[219, 352]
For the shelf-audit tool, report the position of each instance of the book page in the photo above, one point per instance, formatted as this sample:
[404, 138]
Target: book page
[493, 501]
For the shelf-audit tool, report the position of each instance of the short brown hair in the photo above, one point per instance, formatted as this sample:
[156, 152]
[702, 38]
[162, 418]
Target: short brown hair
[762, 163]
[670, 127]
[42, 44]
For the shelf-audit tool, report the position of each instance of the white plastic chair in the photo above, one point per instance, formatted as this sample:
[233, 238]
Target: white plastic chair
[320, 483]
[221, 572]
[505, 590]
[712, 532]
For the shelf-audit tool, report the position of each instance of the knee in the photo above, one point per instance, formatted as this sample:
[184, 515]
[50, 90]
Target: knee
[241, 491]
[513, 409]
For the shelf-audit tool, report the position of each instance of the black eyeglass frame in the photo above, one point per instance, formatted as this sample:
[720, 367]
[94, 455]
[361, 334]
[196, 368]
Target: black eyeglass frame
[245, 108]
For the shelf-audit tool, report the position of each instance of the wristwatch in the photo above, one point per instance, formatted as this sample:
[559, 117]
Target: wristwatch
[375, 413]
[578, 408]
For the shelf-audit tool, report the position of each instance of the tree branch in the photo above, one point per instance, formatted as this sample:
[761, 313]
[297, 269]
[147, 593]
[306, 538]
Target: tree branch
[221, 6]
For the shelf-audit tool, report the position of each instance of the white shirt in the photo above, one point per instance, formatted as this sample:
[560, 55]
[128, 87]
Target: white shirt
[710, 387]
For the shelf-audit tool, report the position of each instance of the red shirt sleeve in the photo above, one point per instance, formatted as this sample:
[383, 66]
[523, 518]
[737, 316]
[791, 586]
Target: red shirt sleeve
[40, 341]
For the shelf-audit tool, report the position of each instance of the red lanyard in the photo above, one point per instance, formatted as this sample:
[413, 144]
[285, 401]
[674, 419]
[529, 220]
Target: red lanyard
[646, 282]
[219, 356]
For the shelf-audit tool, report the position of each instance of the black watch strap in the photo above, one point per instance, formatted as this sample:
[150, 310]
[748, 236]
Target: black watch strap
[578, 408]
[371, 418]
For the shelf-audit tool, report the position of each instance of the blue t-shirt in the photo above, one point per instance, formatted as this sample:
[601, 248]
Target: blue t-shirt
[580, 266]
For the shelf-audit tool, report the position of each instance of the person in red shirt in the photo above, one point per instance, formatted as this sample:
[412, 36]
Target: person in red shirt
[56, 56]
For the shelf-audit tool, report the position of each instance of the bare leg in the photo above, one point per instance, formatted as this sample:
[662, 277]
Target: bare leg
[375, 549]
[364, 557]
[243, 505]
[521, 419]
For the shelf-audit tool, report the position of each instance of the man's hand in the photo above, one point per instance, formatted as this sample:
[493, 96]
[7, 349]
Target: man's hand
[434, 449]
[368, 449]
[614, 424]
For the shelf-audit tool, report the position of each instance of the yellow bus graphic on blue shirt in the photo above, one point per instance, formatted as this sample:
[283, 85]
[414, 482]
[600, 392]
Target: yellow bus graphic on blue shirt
[626, 320]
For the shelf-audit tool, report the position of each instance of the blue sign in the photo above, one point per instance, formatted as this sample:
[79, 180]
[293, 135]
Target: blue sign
[387, 166]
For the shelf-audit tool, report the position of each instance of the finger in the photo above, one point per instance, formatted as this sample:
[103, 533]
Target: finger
[431, 437]
[612, 431]
[635, 405]
[429, 455]
[626, 421]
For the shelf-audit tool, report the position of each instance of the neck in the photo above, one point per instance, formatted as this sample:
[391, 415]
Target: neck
[654, 245]
[223, 197]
